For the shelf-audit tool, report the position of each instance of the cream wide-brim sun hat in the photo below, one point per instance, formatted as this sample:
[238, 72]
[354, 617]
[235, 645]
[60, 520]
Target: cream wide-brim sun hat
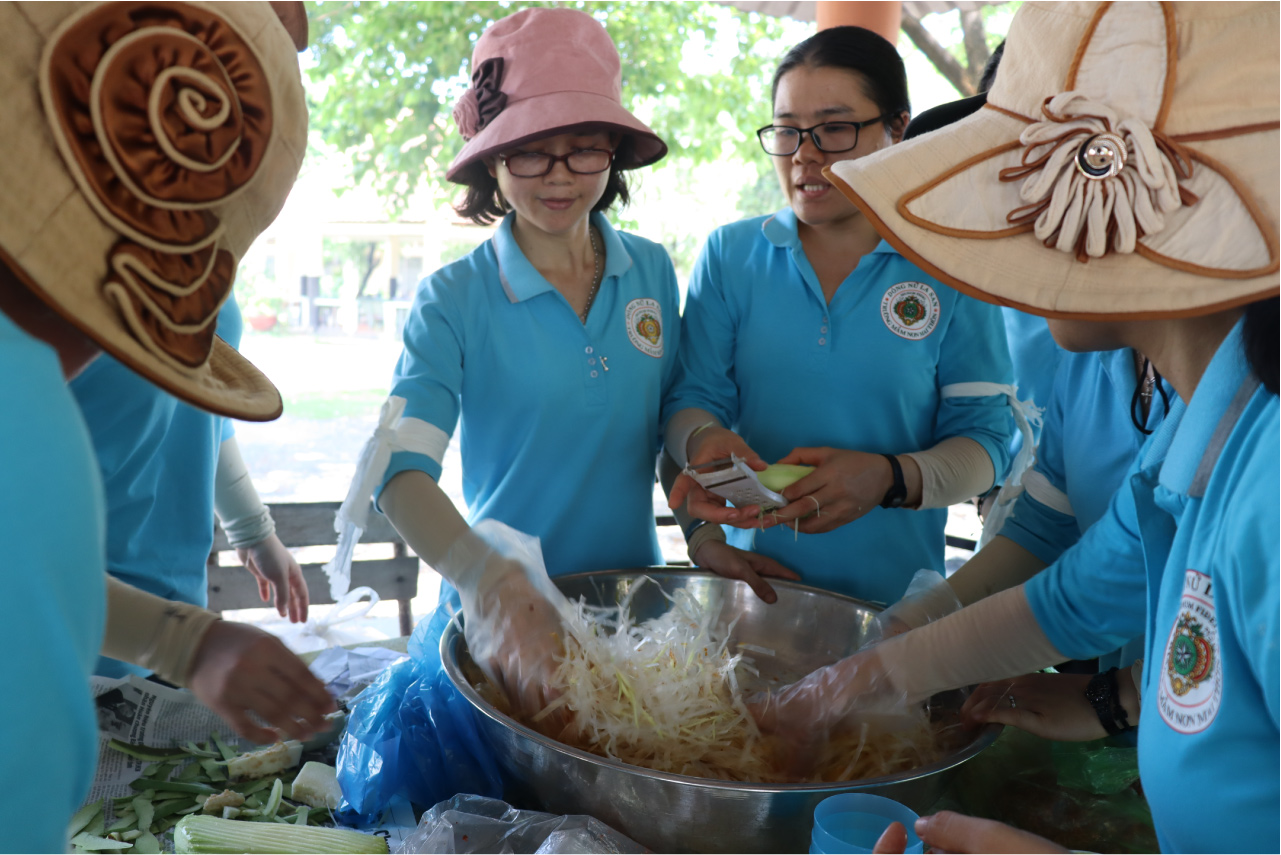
[1028, 202]
[145, 147]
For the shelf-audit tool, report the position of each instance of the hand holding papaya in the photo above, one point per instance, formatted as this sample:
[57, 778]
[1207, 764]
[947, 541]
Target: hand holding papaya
[844, 486]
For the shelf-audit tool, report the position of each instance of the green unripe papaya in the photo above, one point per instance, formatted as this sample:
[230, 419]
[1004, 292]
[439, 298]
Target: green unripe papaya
[778, 476]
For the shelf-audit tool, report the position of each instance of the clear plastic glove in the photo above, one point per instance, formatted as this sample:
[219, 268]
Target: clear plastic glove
[240, 669]
[734, 563]
[946, 831]
[844, 486]
[279, 577]
[512, 615]
[1051, 706]
[803, 717]
[715, 443]
[928, 598]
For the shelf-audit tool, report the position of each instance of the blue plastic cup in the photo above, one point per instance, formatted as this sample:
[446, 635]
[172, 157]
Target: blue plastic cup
[853, 822]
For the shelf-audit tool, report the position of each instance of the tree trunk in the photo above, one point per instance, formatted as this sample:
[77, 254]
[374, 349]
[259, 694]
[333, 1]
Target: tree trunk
[947, 64]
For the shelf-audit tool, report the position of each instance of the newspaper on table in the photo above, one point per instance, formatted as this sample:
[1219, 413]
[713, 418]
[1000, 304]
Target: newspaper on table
[141, 712]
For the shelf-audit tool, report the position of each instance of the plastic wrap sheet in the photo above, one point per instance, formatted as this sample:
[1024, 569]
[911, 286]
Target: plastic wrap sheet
[469, 823]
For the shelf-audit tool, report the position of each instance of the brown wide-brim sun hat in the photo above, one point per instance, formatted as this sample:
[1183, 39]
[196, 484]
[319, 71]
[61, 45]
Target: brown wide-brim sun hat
[1125, 166]
[539, 73]
[146, 146]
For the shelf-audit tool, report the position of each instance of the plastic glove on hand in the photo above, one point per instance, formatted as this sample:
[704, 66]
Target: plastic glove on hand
[240, 669]
[514, 633]
[279, 577]
[802, 718]
[928, 598]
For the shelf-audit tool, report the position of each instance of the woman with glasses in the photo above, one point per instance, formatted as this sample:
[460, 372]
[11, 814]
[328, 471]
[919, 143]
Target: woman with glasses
[808, 340]
[552, 343]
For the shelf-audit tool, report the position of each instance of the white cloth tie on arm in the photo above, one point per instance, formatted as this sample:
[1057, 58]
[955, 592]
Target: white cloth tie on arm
[1026, 414]
[394, 433]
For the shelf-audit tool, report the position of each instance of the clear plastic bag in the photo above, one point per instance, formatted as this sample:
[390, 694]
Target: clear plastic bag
[411, 734]
[468, 823]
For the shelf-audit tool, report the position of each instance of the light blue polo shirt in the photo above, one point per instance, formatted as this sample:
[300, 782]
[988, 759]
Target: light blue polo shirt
[763, 351]
[1188, 553]
[157, 456]
[560, 421]
[51, 528]
[1088, 443]
[1035, 357]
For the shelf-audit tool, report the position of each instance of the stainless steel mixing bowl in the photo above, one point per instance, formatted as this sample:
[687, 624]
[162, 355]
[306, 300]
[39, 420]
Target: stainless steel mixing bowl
[807, 628]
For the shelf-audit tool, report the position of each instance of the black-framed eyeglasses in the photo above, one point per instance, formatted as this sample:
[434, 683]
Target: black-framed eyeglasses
[784, 141]
[536, 164]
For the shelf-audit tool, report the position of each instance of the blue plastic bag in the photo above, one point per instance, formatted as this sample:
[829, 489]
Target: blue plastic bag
[411, 734]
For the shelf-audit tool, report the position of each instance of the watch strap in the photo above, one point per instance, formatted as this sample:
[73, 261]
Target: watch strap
[1104, 697]
[897, 493]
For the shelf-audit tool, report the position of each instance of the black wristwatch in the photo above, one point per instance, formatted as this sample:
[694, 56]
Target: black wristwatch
[1103, 695]
[896, 495]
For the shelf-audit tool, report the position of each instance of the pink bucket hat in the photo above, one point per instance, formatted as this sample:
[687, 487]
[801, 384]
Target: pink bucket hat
[542, 72]
[1125, 166]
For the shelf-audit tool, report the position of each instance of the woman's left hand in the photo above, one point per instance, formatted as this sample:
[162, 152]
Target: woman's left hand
[1051, 706]
[279, 577]
[844, 486]
[750, 567]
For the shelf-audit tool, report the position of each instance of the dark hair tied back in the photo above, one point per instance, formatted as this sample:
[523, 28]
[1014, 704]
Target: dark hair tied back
[483, 203]
[1260, 340]
[859, 50]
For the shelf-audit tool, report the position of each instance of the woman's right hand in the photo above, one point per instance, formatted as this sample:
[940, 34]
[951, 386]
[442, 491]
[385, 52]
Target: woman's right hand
[802, 717]
[715, 443]
[515, 633]
[946, 831]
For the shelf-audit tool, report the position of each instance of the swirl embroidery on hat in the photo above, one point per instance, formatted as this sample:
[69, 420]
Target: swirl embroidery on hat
[482, 103]
[163, 115]
[1094, 184]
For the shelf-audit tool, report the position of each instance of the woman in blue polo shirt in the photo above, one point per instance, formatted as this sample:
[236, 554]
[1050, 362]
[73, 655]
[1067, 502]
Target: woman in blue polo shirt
[807, 339]
[159, 459]
[550, 346]
[1187, 552]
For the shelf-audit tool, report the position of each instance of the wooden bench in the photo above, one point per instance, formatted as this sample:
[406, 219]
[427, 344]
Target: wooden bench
[312, 524]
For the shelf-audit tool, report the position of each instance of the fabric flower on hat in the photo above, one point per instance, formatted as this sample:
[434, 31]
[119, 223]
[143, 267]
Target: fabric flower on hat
[482, 103]
[1094, 182]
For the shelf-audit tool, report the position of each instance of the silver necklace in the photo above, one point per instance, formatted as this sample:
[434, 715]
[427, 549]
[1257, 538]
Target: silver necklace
[596, 275]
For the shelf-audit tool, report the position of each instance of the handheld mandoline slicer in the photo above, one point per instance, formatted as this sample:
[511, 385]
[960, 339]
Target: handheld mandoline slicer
[734, 480]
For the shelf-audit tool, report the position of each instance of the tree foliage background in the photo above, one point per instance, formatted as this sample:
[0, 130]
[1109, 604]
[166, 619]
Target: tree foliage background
[386, 76]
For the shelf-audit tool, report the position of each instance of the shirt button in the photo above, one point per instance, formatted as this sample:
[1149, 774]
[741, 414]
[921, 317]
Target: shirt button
[822, 329]
[594, 373]
[589, 348]
[591, 361]
[824, 320]
[822, 341]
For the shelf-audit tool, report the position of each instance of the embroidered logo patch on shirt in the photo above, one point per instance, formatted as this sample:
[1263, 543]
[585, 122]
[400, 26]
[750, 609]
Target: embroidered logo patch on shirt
[645, 326]
[1191, 679]
[910, 310]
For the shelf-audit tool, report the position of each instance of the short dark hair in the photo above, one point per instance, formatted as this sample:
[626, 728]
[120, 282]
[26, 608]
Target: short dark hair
[859, 50]
[483, 203]
[1260, 340]
[989, 70]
